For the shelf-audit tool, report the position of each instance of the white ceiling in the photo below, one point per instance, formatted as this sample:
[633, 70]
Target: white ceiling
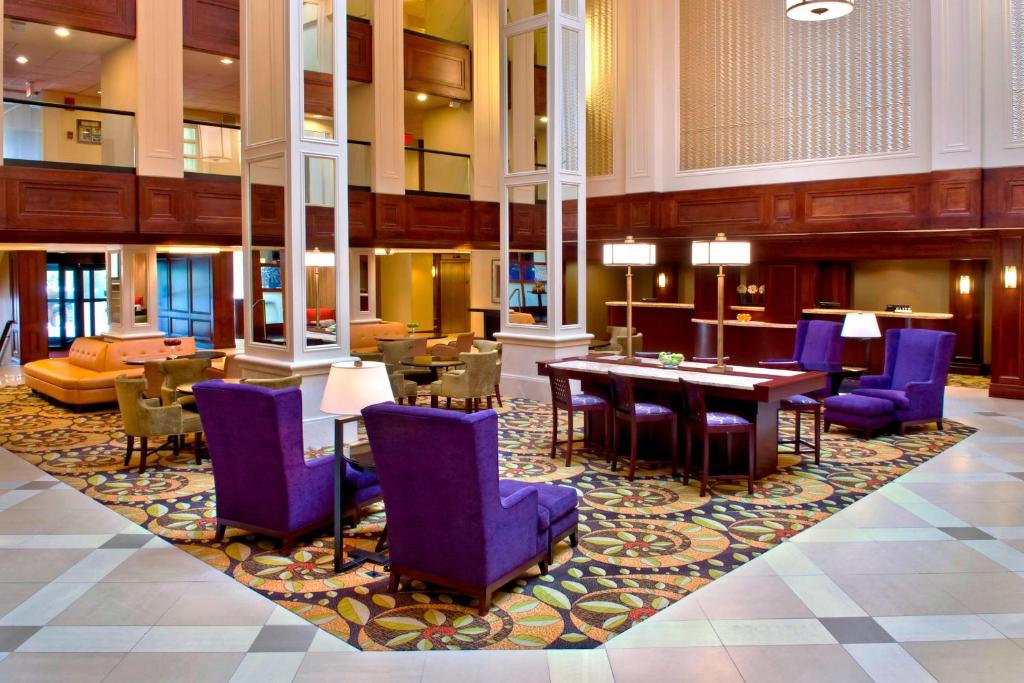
[69, 64]
[211, 85]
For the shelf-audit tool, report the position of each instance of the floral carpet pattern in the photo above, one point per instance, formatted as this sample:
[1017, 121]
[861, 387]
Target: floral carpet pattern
[642, 545]
[969, 381]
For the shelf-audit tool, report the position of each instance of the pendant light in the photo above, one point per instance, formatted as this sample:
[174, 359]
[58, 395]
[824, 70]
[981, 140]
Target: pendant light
[818, 10]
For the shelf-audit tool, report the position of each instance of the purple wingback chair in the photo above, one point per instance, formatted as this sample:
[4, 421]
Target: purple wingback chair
[450, 520]
[914, 378]
[261, 477]
[818, 346]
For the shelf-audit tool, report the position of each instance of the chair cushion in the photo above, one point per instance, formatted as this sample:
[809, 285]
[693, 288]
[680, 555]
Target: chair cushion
[554, 502]
[798, 400]
[857, 404]
[88, 353]
[587, 400]
[898, 398]
[716, 418]
[651, 409]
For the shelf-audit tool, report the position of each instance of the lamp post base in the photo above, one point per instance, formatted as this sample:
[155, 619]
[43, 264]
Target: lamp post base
[719, 368]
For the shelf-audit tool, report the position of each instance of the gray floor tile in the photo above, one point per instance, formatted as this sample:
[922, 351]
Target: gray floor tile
[38, 485]
[11, 637]
[966, 533]
[855, 630]
[283, 639]
[127, 541]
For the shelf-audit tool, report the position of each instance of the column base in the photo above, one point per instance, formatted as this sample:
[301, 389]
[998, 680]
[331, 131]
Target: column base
[520, 354]
[122, 335]
[314, 378]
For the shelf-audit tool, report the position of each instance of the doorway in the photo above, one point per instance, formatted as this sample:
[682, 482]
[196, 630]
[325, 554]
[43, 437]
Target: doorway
[76, 297]
[452, 293]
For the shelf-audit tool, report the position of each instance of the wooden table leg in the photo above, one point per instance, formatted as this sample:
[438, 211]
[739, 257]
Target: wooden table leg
[766, 425]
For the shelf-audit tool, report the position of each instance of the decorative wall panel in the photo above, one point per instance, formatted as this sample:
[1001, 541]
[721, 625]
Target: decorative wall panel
[1016, 71]
[758, 88]
[600, 87]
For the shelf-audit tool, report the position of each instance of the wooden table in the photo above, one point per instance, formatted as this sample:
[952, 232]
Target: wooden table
[434, 364]
[142, 360]
[754, 393]
[187, 388]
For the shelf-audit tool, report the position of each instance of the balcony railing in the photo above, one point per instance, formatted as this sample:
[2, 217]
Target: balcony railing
[360, 164]
[211, 147]
[434, 171]
[50, 134]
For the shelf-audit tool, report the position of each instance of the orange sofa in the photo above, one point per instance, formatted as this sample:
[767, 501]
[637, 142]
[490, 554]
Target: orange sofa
[87, 375]
[363, 336]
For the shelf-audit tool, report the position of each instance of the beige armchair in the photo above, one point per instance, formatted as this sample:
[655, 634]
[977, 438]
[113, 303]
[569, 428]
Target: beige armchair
[180, 371]
[474, 382]
[226, 370]
[394, 352]
[618, 344]
[463, 343]
[484, 345]
[145, 417]
[275, 382]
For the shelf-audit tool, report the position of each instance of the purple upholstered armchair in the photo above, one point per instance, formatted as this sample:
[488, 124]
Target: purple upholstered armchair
[914, 379]
[262, 480]
[818, 346]
[450, 520]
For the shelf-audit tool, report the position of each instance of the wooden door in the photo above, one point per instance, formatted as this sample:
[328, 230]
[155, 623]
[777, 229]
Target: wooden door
[453, 295]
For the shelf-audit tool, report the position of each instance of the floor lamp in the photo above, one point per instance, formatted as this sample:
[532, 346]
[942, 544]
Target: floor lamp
[316, 260]
[720, 252]
[629, 253]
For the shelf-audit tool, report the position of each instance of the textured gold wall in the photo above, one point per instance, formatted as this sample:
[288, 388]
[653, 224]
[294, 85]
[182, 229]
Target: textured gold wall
[756, 87]
[601, 87]
[1017, 71]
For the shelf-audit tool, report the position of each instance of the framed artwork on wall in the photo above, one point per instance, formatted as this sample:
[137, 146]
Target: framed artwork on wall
[495, 281]
[90, 132]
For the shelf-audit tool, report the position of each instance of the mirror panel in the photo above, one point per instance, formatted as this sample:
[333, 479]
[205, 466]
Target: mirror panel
[140, 282]
[114, 287]
[267, 262]
[320, 267]
[526, 272]
[571, 256]
[318, 68]
[527, 96]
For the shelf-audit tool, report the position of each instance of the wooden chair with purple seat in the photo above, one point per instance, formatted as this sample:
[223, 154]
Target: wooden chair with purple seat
[699, 421]
[626, 408]
[563, 399]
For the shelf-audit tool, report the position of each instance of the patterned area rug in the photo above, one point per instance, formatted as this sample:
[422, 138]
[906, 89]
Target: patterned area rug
[969, 381]
[643, 545]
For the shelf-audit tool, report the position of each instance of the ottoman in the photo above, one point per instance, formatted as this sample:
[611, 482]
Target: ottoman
[866, 413]
[557, 508]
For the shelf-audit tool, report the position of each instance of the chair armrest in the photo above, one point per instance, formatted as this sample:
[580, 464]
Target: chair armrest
[509, 502]
[214, 373]
[875, 382]
[319, 462]
[163, 420]
[918, 391]
[780, 364]
[517, 522]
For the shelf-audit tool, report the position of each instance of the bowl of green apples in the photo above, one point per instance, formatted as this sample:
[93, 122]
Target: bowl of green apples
[670, 360]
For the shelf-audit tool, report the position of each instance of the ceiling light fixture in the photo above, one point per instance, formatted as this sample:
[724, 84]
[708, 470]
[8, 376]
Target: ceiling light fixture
[227, 60]
[21, 59]
[422, 97]
[62, 32]
[818, 10]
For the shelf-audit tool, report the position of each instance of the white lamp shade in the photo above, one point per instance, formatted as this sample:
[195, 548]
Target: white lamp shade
[720, 253]
[350, 388]
[319, 259]
[629, 254]
[860, 326]
[818, 10]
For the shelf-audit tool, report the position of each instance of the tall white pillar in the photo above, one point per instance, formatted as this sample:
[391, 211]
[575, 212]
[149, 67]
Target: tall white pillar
[289, 173]
[131, 292]
[486, 101]
[388, 98]
[544, 270]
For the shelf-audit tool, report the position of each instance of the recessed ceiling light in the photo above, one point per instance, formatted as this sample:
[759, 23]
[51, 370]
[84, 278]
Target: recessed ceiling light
[62, 32]
[21, 59]
[422, 97]
[227, 60]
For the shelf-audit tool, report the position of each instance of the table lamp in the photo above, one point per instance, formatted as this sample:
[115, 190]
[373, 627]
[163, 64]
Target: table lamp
[720, 252]
[351, 386]
[863, 326]
[629, 253]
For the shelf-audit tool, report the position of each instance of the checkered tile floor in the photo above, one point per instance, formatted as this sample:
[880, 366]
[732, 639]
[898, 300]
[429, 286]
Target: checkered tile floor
[920, 581]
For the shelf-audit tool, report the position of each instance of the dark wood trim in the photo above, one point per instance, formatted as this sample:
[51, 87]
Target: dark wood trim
[110, 17]
[437, 67]
[223, 300]
[360, 50]
[28, 292]
[211, 26]
[52, 201]
[968, 315]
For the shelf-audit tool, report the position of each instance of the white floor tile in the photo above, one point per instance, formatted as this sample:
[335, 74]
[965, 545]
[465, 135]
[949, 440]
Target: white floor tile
[823, 597]
[997, 551]
[198, 639]
[45, 604]
[889, 663]
[772, 632]
[325, 642]
[1010, 625]
[96, 565]
[696, 633]
[268, 667]
[84, 639]
[579, 666]
[939, 627]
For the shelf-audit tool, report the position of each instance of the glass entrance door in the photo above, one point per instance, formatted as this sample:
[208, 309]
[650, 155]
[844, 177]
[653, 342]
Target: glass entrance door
[76, 298]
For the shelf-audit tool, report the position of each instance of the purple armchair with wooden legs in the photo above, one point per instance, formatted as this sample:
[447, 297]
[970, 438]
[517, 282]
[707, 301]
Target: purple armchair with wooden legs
[262, 479]
[451, 521]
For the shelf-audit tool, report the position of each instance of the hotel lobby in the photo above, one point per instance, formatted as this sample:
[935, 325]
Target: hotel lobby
[569, 340]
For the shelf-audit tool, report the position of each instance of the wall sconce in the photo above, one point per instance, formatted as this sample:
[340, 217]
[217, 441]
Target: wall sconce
[1010, 277]
[662, 280]
[963, 285]
[433, 271]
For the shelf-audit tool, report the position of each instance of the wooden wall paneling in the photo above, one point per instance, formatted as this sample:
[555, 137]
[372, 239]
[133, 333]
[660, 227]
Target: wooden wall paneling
[51, 200]
[438, 219]
[702, 213]
[967, 314]
[782, 287]
[835, 283]
[604, 218]
[570, 219]
[320, 228]
[664, 329]
[437, 67]
[360, 217]
[669, 294]
[200, 207]
[267, 211]
[111, 17]
[360, 50]
[223, 335]
[1003, 197]
[211, 26]
[893, 202]
[486, 223]
[705, 292]
[1007, 321]
[162, 205]
[528, 225]
[889, 245]
[641, 214]
[389, 217]
[318, 91]
[185, 293]
[540, 90]
[28, 289]
[955, 199]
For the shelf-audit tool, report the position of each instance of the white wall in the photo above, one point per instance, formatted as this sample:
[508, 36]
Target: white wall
[480, 287]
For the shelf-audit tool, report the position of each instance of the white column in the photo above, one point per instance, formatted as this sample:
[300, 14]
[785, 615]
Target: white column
[1000, 147]
[131, 292]
[283, 167]
[486, 101]
[559, 187]
[956, 84]
[388, 98]
[160, 105]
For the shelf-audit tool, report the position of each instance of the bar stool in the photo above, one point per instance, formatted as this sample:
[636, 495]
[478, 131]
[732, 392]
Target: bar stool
[625, 407]
[798, 405]
[563, 398]
[712, 423]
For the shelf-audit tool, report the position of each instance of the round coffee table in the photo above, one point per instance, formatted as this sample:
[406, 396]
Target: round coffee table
[187, 388]
[432, 363]
[197, 355]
